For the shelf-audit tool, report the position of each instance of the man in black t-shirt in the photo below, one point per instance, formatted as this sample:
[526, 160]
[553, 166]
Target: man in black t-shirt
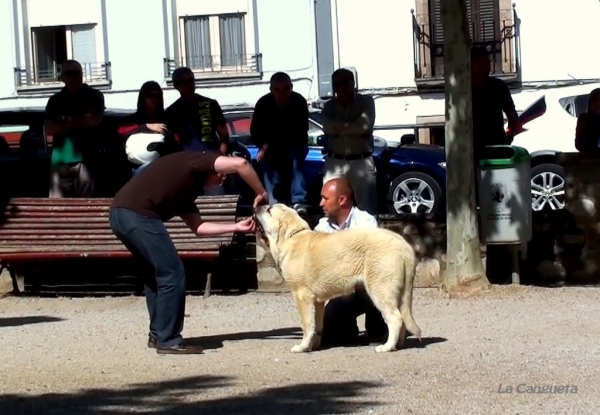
[491, 98]
[168, 187]
[198, 121]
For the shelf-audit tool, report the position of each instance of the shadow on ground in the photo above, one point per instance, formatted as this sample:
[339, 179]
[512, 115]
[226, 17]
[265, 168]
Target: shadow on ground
[216, 341]
[173, 397]
[23, 321]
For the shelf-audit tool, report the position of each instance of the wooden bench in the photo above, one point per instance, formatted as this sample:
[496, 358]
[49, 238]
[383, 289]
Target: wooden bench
[34, 230]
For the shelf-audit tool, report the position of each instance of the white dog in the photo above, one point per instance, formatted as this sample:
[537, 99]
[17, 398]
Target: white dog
[319, 266]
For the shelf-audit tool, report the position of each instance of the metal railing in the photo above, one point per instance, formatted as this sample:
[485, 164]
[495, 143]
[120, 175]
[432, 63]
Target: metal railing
[501, 38]
[92, 72]
[216, 65]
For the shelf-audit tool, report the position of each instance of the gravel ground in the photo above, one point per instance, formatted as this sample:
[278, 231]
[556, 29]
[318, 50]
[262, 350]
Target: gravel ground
[87, 356]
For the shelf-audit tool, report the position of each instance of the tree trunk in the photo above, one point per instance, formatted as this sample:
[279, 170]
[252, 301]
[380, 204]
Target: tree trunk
[464, 270]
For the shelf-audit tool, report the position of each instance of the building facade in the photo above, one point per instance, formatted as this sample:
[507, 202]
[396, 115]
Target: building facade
[234, 46]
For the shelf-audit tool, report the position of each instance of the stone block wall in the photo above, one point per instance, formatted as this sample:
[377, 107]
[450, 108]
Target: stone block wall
[579, 248]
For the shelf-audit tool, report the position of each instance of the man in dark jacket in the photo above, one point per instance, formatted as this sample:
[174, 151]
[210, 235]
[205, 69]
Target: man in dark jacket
[279, 129]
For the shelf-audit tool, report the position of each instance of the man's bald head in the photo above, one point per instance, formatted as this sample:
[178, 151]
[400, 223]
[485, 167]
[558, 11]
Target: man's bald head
[337, 198]
[340, 187]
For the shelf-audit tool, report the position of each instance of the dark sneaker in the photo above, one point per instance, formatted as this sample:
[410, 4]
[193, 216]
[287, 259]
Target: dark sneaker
[151, 342]
[180, 348]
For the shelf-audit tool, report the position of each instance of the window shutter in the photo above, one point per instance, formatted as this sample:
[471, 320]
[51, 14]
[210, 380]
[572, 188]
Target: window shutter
[437, 30]
[484, 16]
[84, 44]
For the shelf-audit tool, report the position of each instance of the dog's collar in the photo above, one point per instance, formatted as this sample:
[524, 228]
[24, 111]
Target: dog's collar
[297, 232]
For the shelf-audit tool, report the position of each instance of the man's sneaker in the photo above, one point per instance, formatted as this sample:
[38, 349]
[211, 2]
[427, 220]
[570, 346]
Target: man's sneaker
[300, 208]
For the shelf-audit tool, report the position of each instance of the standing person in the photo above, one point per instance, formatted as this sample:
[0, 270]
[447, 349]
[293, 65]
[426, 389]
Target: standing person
[279, 129]
[149, 118]
[198, 121]
[339, 322]
[348, 119]
[166, 188]
[73, 117]
[587, 132]
[491, 98]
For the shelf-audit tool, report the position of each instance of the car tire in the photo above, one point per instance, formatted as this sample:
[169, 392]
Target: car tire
[547, 187]
[414, 192]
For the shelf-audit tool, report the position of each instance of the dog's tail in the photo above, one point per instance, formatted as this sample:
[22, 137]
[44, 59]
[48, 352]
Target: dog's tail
[410, 268]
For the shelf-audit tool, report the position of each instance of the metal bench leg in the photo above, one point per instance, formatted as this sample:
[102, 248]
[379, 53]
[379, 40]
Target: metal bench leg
[18, 279]
[208, 282]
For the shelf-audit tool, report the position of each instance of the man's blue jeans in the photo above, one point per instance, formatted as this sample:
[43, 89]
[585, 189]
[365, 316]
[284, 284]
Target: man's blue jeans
[164, 275]
[277, 166]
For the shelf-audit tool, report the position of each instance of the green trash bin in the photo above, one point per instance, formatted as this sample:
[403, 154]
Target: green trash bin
[504, 188]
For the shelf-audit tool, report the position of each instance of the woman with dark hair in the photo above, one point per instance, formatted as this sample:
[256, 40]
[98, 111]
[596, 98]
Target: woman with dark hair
[587, 132]
[145, 134]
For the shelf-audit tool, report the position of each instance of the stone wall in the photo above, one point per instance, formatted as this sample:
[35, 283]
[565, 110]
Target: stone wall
[579, 247]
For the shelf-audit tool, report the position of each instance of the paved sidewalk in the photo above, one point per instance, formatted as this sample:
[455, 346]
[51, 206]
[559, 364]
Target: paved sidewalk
[87, 356]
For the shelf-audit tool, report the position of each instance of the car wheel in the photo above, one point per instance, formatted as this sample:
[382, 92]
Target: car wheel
[547, 187]
[414, 192]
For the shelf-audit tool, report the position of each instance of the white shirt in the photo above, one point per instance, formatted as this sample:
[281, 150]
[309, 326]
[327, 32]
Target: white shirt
[356, 219]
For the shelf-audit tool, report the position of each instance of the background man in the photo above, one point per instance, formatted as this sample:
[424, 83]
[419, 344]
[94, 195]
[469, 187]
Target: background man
[73, 117]
[279, 129]
[199, 122]
[168, 187]
[348, 120]
[339, 324]
[491, 97]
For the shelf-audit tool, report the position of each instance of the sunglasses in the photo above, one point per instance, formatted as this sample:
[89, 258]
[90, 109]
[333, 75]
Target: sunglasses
[154, 95]
[72, 73]
[341, 83]
[185, 81]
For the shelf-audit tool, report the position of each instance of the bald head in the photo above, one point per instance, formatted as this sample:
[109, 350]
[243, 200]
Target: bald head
[337, 198]
[340, 187]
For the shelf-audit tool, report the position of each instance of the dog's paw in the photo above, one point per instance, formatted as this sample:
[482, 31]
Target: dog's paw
[382, 348]
[300, 349]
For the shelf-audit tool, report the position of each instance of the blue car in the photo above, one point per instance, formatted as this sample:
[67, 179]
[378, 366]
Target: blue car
[411, 177]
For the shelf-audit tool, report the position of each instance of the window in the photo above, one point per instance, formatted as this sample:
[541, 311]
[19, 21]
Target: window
[314, 132]
[216, 45]
[197, 42]
[53, 45]
[492, 24]
[233, 40]
[482, 18]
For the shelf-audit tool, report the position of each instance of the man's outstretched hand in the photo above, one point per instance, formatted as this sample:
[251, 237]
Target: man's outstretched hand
[261, 199]
[245, 226]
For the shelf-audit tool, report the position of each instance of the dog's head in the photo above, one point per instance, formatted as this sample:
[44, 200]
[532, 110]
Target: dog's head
[277, 223]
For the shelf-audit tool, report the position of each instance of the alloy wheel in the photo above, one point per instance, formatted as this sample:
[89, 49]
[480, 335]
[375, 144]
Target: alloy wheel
[413, 196]
[547, 190]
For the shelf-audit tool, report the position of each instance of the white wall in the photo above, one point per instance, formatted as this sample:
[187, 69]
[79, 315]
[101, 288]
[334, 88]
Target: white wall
[376, 37]
[559, 38]
[7, 49]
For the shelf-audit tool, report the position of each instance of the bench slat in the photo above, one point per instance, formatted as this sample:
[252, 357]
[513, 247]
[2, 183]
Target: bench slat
[41, 256]
[45, 202]
[199, 246]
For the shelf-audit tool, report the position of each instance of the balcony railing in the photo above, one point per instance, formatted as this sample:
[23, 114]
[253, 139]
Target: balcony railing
[501, 39]
[94, 73]
[217, 66]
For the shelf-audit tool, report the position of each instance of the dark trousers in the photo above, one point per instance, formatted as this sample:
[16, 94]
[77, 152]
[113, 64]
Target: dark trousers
[339, 322]
[285, 170]
[71, 180]
[164, 275]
